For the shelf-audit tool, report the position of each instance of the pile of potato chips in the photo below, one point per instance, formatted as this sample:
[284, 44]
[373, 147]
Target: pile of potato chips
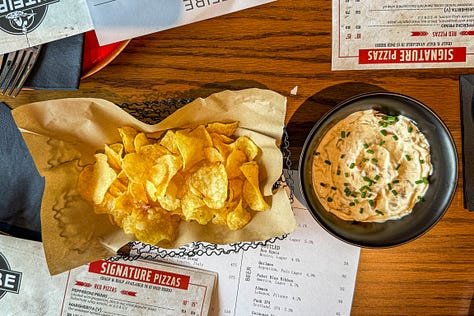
[148, 183]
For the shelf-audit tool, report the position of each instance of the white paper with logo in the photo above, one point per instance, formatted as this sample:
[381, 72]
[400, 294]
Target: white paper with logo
[26, 23]
[119, 20]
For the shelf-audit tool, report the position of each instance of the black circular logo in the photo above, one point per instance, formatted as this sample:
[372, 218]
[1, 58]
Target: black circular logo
[22, 22]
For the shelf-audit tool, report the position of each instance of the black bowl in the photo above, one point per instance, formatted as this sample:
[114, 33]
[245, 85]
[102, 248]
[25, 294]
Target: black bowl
[425, 214]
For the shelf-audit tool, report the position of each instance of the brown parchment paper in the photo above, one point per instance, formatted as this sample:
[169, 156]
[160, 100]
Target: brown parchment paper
[63, 135]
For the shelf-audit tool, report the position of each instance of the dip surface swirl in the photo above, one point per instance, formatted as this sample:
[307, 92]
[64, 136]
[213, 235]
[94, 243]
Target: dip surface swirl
[371, 167]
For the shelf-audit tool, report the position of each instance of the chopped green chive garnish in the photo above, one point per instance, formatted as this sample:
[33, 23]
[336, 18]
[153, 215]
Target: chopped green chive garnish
[322, 184]
[370, 151]
[346, 184]
[342, 156]
[348, 133]
[382, 142]
[316, 153]
[343, 134]
[346, 174]
[410, 129]
[418, 181]
[364, 159]
[333, 188]
[395, 137]
[352, 165]
[379, 212]
[420, 198]
[394, 192]
[408, 158]
[371, 202]
[376, 177]
[397, 167]
[425, 180]
[363, 195]
[356, 201]
[351, 204]
[361, 210]
[374, 160]
[329, 199]
[395, 181]
[366, 146]
[327, 162]
[384, 132]
[422, 161]
[338, 172]
[347, 191]
[389, 186]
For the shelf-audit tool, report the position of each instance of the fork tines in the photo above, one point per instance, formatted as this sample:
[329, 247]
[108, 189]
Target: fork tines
[16, 68]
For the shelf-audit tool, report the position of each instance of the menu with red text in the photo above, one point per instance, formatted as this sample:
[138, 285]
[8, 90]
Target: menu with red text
[399, 34]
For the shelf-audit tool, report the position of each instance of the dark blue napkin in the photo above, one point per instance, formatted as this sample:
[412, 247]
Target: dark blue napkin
[59, 65]
[21, 186]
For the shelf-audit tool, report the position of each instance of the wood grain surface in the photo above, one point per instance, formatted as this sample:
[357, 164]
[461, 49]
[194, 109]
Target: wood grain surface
[280, 46]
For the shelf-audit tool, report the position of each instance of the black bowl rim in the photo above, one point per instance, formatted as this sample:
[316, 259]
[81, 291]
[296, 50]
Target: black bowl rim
[347, 102]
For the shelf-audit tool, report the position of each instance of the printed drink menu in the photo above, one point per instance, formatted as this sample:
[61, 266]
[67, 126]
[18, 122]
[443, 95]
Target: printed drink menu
[402, 34]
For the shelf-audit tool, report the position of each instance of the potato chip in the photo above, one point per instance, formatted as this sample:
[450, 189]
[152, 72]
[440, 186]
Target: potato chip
[247, 145]
[227, 129]
[251, 190]
[96, 179]
[191, 144]
[139, 141]
[153, 151]
[151, 226]
[171, 200]
[169, 142]
[238, 218]
[236, 159]
[210, 182]
[164, 169]
[114, 154]
[136, 167]
[128, 134]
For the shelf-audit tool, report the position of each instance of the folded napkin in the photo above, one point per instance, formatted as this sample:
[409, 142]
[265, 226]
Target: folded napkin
[59, 65]
[21, 186]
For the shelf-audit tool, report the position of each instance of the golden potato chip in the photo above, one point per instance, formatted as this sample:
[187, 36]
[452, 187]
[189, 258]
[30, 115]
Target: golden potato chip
[210, 182]
[227, 129]
[114, 154]
[171, 200]
[139, 141]
[247, 145]
[136, 167]
[251, 191]
[164, 169]
[191, 144]
[151, 226]
[138, 193]
[222, 143]
[169, 142]
[238, 218]
[191, 206]
[153, 151]
[213, 155]
[236, 159]
[95, 180]
[128, 134]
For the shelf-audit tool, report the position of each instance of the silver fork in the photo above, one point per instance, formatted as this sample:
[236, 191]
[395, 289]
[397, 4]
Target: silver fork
[16, 67]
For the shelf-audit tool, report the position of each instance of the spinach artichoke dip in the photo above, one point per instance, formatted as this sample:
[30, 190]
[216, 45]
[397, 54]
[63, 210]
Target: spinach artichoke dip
[371, 167]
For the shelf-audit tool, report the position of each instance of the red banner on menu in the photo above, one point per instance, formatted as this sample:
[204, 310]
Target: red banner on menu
[140, 274]
[412, 55]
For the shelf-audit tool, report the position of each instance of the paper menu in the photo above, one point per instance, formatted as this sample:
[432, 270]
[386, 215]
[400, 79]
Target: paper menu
[402, 34]
[25, 23]
[117, 20]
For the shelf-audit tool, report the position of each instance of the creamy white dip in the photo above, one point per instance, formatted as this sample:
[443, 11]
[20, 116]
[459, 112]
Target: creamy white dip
[371, 167]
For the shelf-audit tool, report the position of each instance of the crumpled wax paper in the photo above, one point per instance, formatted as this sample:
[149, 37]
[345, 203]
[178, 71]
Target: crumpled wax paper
[63, 136]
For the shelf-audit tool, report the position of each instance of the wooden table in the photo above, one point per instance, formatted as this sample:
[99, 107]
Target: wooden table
[280, 46]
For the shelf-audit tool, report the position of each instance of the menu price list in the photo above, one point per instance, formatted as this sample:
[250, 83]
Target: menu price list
[307, 273]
